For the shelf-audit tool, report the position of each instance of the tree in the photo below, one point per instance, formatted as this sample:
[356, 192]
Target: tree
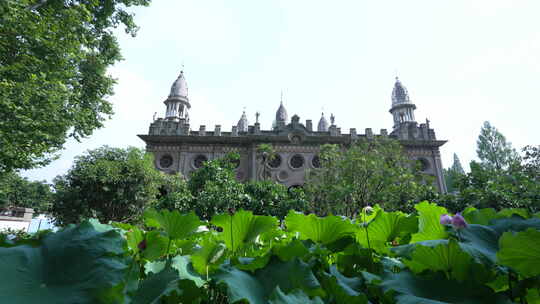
[215, 188]
[367, 173]
[16, 191]
[110, 184]
[486, 187]
[493, 149]
[270, 198]
[531, 161]
[54, 56]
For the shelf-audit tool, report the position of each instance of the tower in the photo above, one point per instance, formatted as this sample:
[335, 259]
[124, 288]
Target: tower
[243, 123]
[323, 124]
[281, 115]
[177, 104]
[402, 108]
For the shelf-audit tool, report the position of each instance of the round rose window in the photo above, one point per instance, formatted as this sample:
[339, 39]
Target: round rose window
[165, 161]
[199, 161]
[297, 161]
[275, 162]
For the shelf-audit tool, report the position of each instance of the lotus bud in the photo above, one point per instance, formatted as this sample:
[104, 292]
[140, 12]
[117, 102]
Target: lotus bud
[445, 219]
[458, 221]
[142, 245]
[368, 209]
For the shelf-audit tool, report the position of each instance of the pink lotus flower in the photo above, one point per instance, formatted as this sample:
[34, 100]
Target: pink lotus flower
[458, 221]
[445, 219]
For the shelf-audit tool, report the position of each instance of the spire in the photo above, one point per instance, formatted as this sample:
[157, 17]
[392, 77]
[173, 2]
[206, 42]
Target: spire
[402, 108]
[323, 124]
[399, 93]
[243, 123]
[179, 87]
[456, 166]
[281, 114]
[177, 104]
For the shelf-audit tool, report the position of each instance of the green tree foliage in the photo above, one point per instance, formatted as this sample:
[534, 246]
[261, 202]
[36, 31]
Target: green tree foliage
[486, 187]
[54, 55]
[531, 161]
[493, 149]
[110, 184]
[367, 173]
[214, 189]
[17, 191]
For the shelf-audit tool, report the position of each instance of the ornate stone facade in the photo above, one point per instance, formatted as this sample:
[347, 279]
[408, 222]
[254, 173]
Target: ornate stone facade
[177, 148]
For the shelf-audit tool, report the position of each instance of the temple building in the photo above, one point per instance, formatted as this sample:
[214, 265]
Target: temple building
[178, 148]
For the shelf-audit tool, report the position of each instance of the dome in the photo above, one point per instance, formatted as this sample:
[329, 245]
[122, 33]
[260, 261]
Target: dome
[243, 123]
[281, 114]
[179, 87]
[323, 124]
[399, 93]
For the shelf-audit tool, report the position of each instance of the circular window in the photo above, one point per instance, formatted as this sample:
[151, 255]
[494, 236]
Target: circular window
[199, 160]
[275, 162]
[165, 161]
[297, 161]
[316, 161]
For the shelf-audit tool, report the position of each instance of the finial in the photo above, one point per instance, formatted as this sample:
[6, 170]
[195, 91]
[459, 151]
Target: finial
[332, 118]
[257, 114]
[281, 99]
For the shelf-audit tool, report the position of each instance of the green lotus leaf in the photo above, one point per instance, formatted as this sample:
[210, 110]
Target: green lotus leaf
[243, 227]
[207, 259]
[175, 225]
[341, 289]
[479, 216]
[79, 264]
[429, 226]
[481, 242]
[259, 286]
[289, 276]
[533, 296]
[439, 255]
[322, 230]
[289, 251]
[295, 297]
[509, 212]
[169, 280]
[408, 288]
[521, 251]
[252, 264]
[241, 286]
[134, 237]
[514, 223]
[157, 286]
[156, 245]
[386, 227]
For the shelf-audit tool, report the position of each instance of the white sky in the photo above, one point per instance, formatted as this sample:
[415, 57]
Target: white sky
[462, 61]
